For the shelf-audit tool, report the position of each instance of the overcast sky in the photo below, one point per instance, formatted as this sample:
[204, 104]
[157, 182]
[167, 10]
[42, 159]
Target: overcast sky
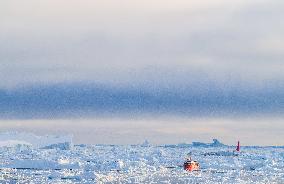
[189, 58]
[133, 41]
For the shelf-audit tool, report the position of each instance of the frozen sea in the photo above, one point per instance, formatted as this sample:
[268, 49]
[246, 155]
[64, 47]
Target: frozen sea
[63, 162]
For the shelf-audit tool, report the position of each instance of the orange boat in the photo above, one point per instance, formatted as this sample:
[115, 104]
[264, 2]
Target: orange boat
[190, 165]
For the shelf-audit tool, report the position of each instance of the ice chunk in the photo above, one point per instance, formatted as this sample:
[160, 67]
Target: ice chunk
[146, 143]
[13, 143]
[62, 146]
[39, 164]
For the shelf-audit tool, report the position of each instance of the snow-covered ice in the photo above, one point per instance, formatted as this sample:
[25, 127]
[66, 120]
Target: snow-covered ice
[143, 163]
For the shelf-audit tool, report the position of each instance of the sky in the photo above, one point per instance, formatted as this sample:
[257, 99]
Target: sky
[135, 60]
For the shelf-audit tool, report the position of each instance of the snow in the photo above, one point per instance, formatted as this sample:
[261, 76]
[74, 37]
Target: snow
[144, 163]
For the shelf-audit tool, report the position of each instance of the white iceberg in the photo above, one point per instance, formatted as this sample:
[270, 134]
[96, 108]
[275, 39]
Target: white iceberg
[13, 139]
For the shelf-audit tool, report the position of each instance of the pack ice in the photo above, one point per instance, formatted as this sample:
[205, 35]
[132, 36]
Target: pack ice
[27, 158]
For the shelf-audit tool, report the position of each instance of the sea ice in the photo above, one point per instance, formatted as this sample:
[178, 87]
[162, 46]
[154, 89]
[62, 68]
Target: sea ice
[137, 163]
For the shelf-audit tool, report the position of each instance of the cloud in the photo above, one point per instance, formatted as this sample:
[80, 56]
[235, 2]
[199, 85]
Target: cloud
[93, 100]
[224, 52]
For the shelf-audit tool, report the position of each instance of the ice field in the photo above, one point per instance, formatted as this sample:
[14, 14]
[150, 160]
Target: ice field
[32, 160]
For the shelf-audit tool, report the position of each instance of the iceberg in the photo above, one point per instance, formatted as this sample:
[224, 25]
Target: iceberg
[14, 139]
[215, 143]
